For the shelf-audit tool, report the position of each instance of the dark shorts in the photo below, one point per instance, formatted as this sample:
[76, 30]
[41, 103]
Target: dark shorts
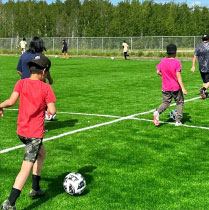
[205, 77]
[64, 50]
[32, 148]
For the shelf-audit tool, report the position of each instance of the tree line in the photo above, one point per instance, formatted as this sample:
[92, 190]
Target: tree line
[100, 18]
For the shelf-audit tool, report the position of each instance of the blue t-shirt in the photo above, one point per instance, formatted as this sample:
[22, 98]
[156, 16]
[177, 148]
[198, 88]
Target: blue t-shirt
[22, 64]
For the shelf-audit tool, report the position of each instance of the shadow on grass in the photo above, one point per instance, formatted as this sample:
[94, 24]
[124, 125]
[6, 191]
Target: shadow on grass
[55, 186]
[56, 124]
[186, 118]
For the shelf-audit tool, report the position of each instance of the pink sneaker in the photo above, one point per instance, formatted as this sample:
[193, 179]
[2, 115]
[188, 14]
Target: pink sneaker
[203, 95]
[156, 118]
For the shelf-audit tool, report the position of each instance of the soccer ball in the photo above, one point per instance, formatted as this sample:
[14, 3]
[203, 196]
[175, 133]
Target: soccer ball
[173, 114]
[74, 184]
[112, 58]
[49, 117]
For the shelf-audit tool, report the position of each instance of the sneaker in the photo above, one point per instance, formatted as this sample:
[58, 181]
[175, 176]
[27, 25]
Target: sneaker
[203, 95]
[156, 118]
[178, 123]
[200, 90]
[6, 206]
[36, 194]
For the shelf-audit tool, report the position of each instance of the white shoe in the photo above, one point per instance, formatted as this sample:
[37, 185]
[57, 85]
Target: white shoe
[178, 123]
[156, 118]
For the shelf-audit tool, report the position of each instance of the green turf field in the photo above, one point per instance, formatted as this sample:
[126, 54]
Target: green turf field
[128, 163]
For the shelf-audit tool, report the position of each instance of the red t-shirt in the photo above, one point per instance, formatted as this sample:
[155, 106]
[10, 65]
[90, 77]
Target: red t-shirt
[34, 96]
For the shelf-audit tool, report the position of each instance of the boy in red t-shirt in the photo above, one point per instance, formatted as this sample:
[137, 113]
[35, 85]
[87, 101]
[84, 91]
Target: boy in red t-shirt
[172, 86]
[34, 96]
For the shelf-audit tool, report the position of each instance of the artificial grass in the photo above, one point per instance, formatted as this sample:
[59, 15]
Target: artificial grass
[129, 164]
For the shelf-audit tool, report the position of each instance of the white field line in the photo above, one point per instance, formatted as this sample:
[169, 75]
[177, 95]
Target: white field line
[86, 114]
[141, 113]
[68, 133]
[112, 116]
[174, 104]
[75, 113]
[172, 123]
[97, 125]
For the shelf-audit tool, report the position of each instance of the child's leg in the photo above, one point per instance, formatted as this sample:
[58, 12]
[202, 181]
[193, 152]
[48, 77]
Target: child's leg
[20, 181]
[179, 99]
[23, 175]
[205, 79]
[167, 98]
[66, 54]
[31, 152]
[205, 86]
[37, 168]
[125, 55]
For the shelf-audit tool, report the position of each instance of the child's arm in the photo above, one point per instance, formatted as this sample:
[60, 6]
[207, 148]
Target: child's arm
[178, 74]
[51, 108]
[159, 72]
[48, 76]
[193, 63]
[9, 102]
[20, 73]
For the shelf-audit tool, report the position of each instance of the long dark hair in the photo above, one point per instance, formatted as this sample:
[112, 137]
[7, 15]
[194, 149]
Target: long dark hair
[37, 45]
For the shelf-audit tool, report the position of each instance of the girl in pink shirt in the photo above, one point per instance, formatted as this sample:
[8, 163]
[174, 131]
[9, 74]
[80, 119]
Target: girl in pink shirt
[172, 86]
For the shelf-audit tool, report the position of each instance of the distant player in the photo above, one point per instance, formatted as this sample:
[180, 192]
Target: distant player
[202, 52]
[64, 49]
[34, 96]
[125, 49]
[172, 86]
[36, 47]
[23, 45]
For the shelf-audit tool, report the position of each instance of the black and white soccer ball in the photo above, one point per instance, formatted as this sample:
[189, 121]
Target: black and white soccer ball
[49, 117]
[74, 183]
[173, 114]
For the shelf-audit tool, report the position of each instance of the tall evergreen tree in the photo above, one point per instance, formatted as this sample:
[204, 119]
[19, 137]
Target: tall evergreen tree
[96, 18]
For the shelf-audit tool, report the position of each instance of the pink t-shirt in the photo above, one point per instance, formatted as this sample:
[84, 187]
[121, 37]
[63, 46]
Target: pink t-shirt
[169, 67]
[34, 96]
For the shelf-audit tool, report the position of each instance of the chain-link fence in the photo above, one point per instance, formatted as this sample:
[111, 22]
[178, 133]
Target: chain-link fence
[77, 44]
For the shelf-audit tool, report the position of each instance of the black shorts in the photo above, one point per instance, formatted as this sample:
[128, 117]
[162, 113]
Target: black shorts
[205, 77]
[64, 50]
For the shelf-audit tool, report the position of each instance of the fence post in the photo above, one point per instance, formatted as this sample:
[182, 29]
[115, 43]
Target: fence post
[194, 42]
[11, 43]
[77, 45]
[102, 45]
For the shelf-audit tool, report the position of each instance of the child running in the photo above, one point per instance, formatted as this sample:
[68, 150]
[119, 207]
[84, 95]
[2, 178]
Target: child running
[34, 96]
[172, 86]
